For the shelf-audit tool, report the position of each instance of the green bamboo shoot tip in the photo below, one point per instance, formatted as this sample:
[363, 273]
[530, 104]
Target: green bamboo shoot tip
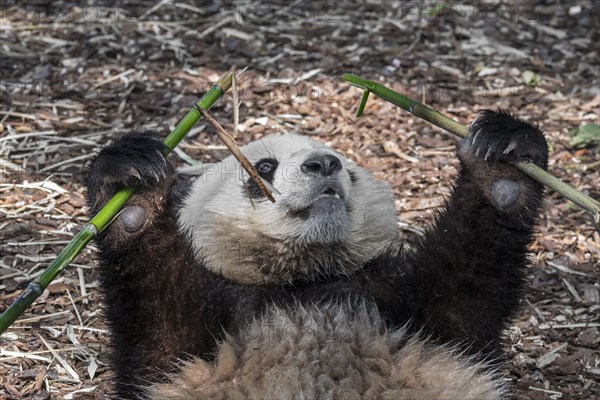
[358, 82]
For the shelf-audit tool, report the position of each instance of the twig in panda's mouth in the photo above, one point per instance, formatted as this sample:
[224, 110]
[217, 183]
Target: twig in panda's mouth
[235, 150]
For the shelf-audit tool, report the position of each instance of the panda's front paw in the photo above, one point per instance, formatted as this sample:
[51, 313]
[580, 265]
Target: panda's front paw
[496, 140]
[497, 136]
[137, 160]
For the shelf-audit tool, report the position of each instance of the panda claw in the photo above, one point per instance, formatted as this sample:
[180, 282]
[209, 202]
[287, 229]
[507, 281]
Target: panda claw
[477, 151]
[511, 146]
[133, 172]
[488, 154]
[474, 136]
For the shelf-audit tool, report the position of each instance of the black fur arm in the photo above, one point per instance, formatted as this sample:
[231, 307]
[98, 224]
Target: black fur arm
[162, 305]
[467, 271]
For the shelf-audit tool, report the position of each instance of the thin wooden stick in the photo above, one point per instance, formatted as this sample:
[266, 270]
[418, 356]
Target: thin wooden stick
[236, 108]
[235, 150]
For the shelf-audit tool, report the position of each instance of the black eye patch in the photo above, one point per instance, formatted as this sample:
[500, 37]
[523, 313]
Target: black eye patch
[266, 168]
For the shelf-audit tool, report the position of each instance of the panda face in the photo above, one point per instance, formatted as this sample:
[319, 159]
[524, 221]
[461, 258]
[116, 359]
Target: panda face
[329, 216]
[313, 205]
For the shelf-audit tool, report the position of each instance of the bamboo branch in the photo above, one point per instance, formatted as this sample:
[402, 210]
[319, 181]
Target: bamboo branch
[105, 216]
[438, 119]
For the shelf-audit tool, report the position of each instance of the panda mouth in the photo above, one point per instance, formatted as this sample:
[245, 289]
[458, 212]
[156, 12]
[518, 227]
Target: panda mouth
[328, 193]
[329, 201]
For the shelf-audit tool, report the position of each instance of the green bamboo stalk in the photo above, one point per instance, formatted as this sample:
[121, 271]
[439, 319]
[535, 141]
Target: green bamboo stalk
[438, 119]
[105, 216]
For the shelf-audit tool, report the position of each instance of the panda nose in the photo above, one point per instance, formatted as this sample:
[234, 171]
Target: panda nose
[321, 164]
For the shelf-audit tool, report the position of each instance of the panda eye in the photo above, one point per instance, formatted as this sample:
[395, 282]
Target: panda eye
[265, 167]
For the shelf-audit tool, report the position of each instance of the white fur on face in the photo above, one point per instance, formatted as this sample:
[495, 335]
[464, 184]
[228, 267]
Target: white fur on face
[252, 240]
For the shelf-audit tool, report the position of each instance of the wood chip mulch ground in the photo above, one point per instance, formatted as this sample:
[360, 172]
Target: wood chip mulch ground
[74, 77]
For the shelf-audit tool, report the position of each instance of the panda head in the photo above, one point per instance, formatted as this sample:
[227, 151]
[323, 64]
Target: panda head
[330, 218]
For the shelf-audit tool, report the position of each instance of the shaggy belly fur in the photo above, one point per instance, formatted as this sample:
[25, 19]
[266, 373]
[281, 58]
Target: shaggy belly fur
[334, 352]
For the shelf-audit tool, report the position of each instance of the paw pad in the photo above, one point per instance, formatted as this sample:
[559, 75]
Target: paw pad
[506, 192]
[132, 219]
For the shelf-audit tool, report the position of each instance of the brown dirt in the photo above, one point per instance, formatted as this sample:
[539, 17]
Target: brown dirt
[73, 78]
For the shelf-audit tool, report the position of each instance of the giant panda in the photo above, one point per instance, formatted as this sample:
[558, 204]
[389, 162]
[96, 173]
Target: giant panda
[214, 292]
